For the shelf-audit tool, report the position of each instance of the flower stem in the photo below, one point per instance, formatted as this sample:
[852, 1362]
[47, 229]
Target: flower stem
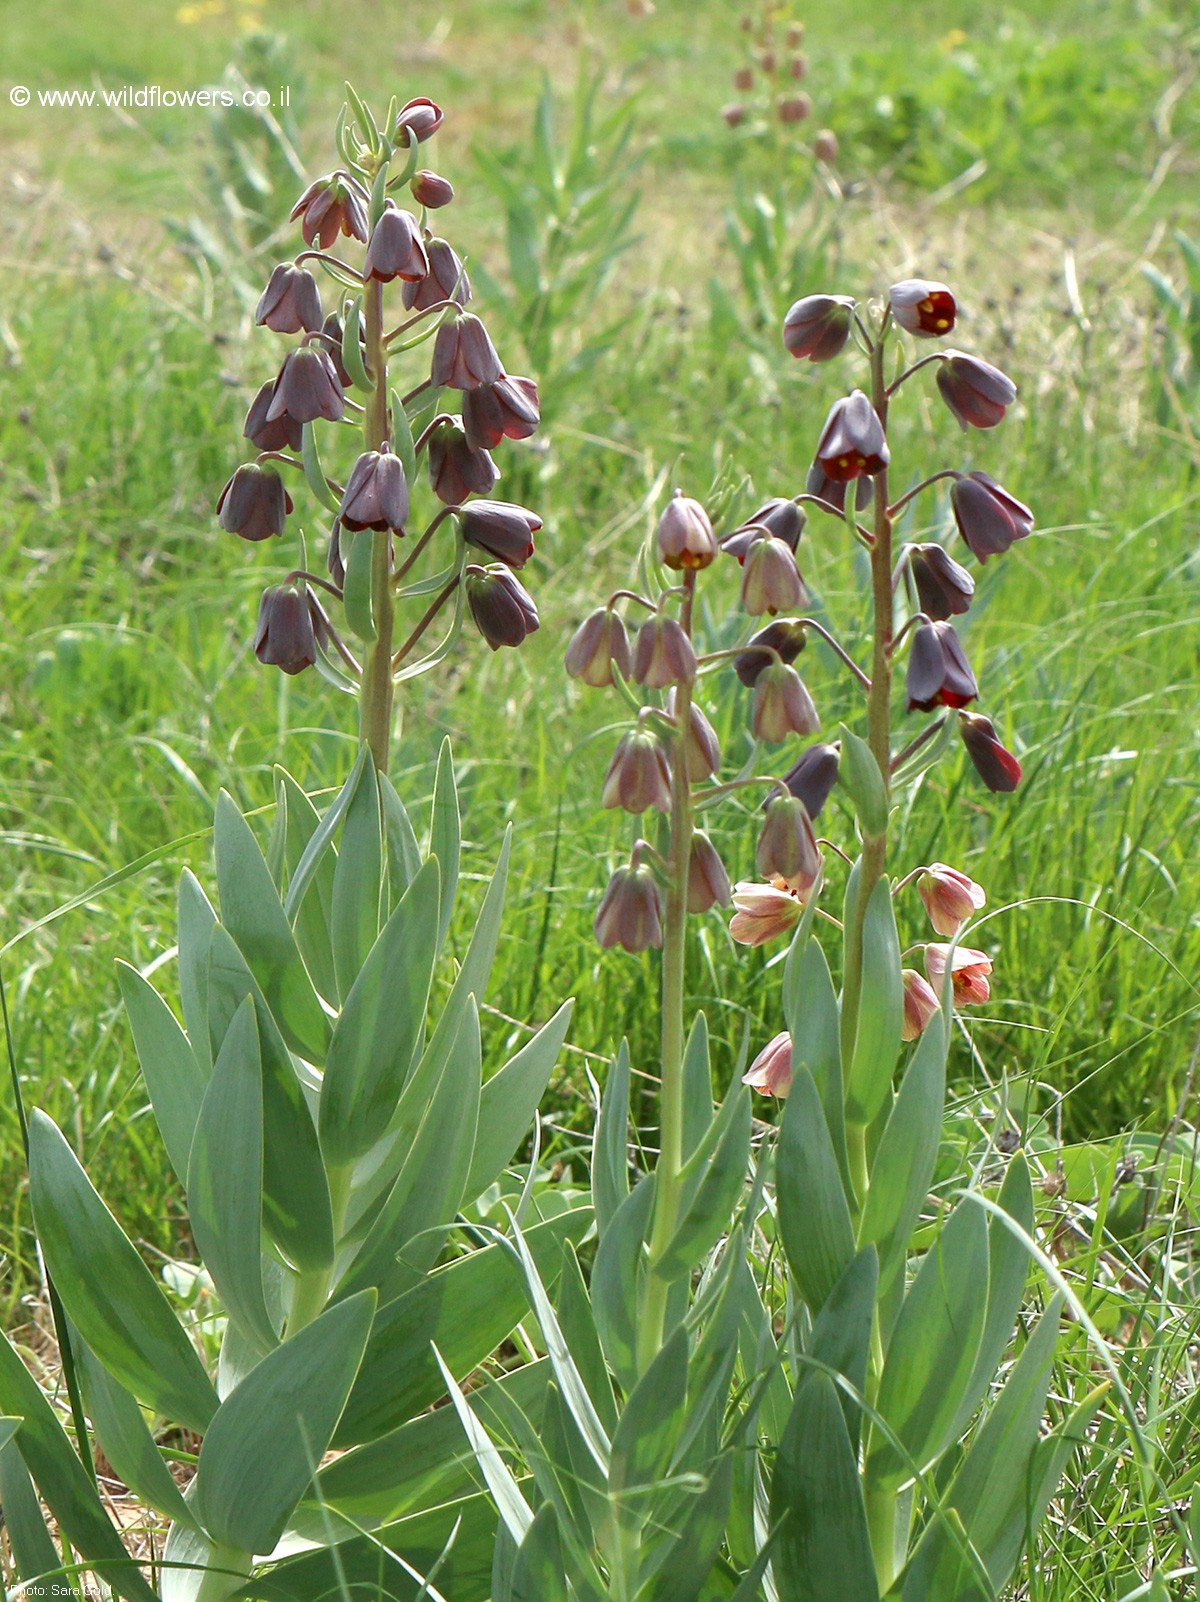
[375, 705]
[670, 1157]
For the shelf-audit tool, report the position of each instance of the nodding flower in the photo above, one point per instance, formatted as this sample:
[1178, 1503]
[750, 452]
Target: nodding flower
[599, 646]
[376, 494]
[639, 775]
[771, 580]
[944, 587]
[507, 409]
[396, 249]
[852, 441]
[630, 911]
[950, 897]
[969, 972]
[708, 882]
[763, 912]
[782, 705]
[976, 392]
[285, 636]
[788, 846]
[997, 767]
[685, 536]
[254, 503]
[938, 671]
[771, 1071]
[463, 355]
[331, 206]
[818, 326]
[920, 1004]
[923, 307]
[989, 519]
[290, 302]
[501, 608]
[457, 468]
[663, 654]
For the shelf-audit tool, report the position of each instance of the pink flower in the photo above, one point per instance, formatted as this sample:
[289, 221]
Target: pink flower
[764, 911]
[950, 897]
[920, 1004]
[969, 972]
[771, 1071]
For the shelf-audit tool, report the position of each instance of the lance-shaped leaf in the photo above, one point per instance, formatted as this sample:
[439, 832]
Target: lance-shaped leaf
[712, 1182]
[538, 1574]
[174, 1078]
[931, 1355]
[196, 923]
[32, 1550]
[610, 1148]
[510, 1098]
[357, 880]
[616, 1276]
[253, 914]
[445, 835]
[689, 1563]
[355, 547]
[317, 849]
[225, 1179]
[813, 1018]
[574, 1308]
[859, 775]
[403, 852]
[108, 1291]
[649, 1425]
[312, 917]
[697, 1086]
[814, 1216]
[841, 1335]
[377, 1033]
[266, 1442]
[515, 1512]
[64, 1483]
[880, 1010]
[125, 1438]
[824, 1549]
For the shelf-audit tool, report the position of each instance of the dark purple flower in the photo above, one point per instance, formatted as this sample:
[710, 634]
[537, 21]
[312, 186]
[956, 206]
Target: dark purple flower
[332, 331]
[418, 120]
[852, 441]
[833, 492]
[308, 387]
[254, 503]
[818, 326]
[944, 587]
[376, 495]
[502, 608]
[501, 529]
[988, 517]
[463, 355]
[599, 645]
[285, 637]
[329, 207]
[998, 768]
[630, 912]
[782, 518]
[290, 302]
[446, 280]
[507, 409]
[923, 307]
[976, 392]
[708, 883]
[685, 535]
[396, 249]
[938, 671]
[430, 189]
[282, 433]
[786, 635]
[456, 468]
[813, 777]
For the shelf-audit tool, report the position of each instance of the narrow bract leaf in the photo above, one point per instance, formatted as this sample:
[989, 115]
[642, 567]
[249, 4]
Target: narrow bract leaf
[709, 1214]
[514, 1509]
[445, 835]
[403, 852]
[510, 1098]
[859, 775]
[814, 1217]
[610, 1148]
[616, 1273]
[311, 918]
[813, 1018]
[357, 881]
[880, 1010]
[174, 1078]
[196, 922]
[697, 1086]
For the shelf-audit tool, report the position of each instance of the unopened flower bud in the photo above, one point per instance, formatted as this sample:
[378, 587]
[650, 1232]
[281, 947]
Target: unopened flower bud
[501, 607]
[969, 972]
[944, 587]
[396, 249]
[685, 535]
[417, 121]
[463, 355]
[813, 777]
[630, 912]
[285, 637]
[787, 845]
[938, 671]
[457, 468]
[795, 108]
[254, 503]
[507, 409]
[708, 883]
[998, 768]
[786, 635]
[501, 529]
[600, 644]
[430, 189]
[818, 326]
[852, 441]
[308, 387]
[798, 68]
[768, 60]
[988, 517]
[284, 433]
[663, 654]
[950, 897]
[771, 580]
[922, 307]
[920, 1004]
[702, 748]
[330, 207]
[734, 114]
[771, 1071]
[639, 775]
[446, 280]
[290, 302]
[763, 912]
[976, 392]
[743, 79]
[782, 705]
[833, 492]
[825, 145]
[376, 495]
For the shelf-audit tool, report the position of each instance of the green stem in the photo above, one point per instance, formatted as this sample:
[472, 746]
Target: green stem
[224, 1574]
[375, 704]
[670, 1157]
[881, 1522]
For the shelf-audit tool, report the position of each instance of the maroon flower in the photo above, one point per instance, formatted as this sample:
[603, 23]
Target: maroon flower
[254, 503]
[308, 387]
[332, 330]
[501, 529]
[788, 846]
[290, 302]
[507, 409]
[786, 636]
[599, 645]
[944, 587]
[708, 883]
[329, 207]
[813, 777]
[285, 637]
[782, 518]
[938, 671]
[431, 190]
[396, 249]
[502, 608]
[825, 145]
[456, 468]
[852, 441]
[377, 494]
[639, 775]
[988, 517]
[663, 654]
[283, 433]
[833, 492]
[998, 768]
[417, 121]
[630, 912]
[976, 392]
[446, 280]
[463, 355]
[795, 108]
[702, 749]
[685, 535]
[923, 307]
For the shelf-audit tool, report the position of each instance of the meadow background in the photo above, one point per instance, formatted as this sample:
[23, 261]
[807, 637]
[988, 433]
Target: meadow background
[636, 255]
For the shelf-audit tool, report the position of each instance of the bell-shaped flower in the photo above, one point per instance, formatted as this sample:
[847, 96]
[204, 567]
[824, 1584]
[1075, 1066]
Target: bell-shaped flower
[763, 912]
[998, 768]
[376, 495]
[333, 205]
[290, 302]
[787, 845]
[920, 1004]
[285, 637]
[501, 529]
[923, 307]
[663, 654]
[976, 392]
[331, 341]
[813, 777]
[507, 409]
[771, 1071]
[852, 441]
[771, 580]
[785, 637]
[254, 503]
[598, 646]
[950, 897]
[396, 249]
[938, 671]
[708, 883]
[630, 912]
[281, 434]
[501, 608]
[944, 587]
[446, 280]
[989, 519]
[969, 972]
[782, 705]
[780, 517]
[639, 775]
[833, 492]
[458, 469]
[463, 355]
[702, 749]
[308, 387]
[685, 535]
[818, 326]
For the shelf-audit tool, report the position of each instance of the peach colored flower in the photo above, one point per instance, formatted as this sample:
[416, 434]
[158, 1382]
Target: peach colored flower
[969, 972]
[950, 897]
[771, 1071]
[764, 911]
[920, 1004]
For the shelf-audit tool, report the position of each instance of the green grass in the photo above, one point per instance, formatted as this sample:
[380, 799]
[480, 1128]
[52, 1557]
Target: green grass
[128, 694]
